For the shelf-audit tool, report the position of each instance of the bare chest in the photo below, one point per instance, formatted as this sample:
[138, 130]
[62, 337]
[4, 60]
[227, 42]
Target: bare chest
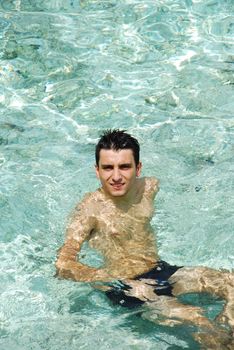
[117, 226]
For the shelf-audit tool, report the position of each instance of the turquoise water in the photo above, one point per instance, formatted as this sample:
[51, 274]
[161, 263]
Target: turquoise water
[69, 69]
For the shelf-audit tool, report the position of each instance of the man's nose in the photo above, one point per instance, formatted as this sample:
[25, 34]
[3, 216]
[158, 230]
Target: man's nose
[116, 176]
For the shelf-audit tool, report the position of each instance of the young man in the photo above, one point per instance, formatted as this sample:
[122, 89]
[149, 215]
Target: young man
[115, 220]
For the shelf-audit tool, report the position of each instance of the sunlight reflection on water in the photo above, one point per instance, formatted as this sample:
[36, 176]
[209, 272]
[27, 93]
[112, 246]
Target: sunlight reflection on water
[69, 69]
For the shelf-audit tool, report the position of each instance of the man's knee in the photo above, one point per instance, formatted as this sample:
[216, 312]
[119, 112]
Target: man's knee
[189, 280]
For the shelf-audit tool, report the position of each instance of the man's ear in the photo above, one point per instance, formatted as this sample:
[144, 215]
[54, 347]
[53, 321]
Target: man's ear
[97, 171]
[138, 169]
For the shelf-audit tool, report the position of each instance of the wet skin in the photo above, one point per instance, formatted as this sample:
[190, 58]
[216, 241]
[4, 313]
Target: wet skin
[115, 220]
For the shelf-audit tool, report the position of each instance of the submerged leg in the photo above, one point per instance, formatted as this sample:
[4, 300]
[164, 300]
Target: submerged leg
[167, 310]
[202, 279]
[170, 312]
[227, 315]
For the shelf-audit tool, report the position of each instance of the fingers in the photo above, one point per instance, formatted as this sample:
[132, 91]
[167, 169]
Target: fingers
[148, 281]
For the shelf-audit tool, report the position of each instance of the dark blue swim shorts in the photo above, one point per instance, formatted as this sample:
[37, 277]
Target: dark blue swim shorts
[160, 273]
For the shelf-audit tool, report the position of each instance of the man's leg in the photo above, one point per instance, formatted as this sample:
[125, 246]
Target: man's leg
[202, 279]
[169, 311]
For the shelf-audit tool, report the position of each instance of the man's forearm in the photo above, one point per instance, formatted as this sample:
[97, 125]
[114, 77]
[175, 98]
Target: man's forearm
[78, 272]
[68, 267]
[75, 271]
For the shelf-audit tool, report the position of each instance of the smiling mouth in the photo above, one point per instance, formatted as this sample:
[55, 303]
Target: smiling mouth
[117, 186]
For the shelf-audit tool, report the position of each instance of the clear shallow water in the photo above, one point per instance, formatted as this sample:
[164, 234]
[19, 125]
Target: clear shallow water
[69, 69]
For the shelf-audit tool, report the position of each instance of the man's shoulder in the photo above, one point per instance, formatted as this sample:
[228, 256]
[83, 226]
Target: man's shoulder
[90, 196]
[89, 203]
[151, 185]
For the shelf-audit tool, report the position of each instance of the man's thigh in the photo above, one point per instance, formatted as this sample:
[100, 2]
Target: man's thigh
[201, 279]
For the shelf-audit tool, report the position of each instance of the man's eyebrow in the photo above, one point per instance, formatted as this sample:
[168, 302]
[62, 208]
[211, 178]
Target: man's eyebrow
[126, 164]
[106, 165]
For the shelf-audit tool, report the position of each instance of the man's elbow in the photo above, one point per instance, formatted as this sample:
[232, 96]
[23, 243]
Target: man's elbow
[59, 268]
[65, 268]
[62, 267]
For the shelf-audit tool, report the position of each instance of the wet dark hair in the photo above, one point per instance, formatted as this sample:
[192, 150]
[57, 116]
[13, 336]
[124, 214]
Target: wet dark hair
[117, 139]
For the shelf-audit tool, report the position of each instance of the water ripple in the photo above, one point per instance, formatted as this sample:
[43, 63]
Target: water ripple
[69, 69]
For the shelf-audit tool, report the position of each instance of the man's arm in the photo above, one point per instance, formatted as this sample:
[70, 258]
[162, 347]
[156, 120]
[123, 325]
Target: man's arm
[67, 265]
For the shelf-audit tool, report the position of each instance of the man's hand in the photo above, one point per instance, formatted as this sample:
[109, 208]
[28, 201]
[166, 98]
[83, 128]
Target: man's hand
[141, 290]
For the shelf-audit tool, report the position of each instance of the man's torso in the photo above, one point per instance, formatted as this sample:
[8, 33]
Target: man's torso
[123, 233]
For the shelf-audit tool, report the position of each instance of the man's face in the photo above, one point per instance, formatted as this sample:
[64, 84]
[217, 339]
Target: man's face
[117, 171]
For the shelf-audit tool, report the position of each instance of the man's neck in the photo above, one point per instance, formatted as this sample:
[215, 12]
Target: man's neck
[130, 198]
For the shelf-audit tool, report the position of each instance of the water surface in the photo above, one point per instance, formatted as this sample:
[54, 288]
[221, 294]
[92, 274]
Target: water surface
[163, 70]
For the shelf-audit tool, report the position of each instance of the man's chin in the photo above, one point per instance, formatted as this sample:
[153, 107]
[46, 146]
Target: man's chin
[117, 193]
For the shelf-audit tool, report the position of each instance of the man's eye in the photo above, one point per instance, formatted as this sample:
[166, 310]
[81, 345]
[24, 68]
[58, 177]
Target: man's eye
[125, 166]
[107, 168]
